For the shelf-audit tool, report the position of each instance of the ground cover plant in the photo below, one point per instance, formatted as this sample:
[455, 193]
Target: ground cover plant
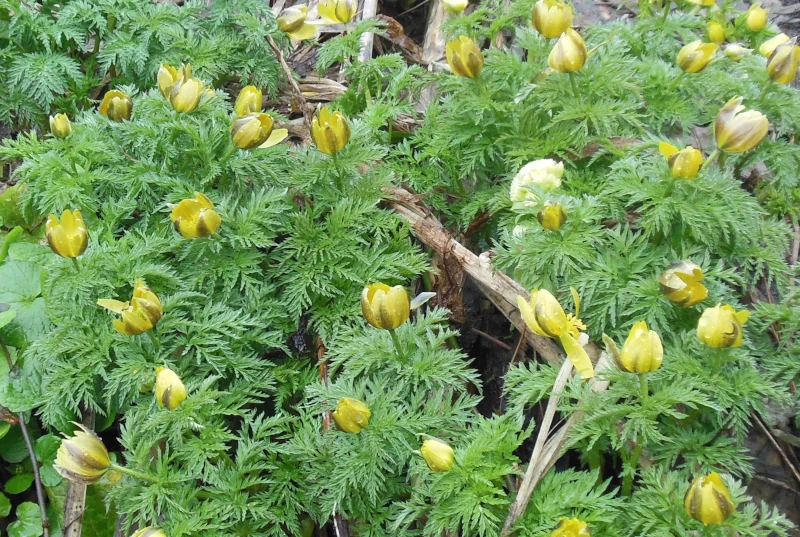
[221, 318]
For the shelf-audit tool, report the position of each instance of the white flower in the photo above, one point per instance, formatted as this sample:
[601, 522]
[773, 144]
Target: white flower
[543, 173]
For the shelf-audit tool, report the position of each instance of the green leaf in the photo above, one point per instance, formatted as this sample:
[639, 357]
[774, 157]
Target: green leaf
[30, 252]
[20, 288]
[5, 506]
[12, 446]
[4, 428]
[49, 476]
[7, 316]
[29, 521]
[46, 447]
[19, 483]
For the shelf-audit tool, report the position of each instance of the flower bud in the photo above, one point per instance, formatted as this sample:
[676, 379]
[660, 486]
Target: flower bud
[709, 500]
[251, 130]
[170, 391]
[768, 47]
[248, 101]
[337, 11]
[116, 106]
[137, 316]
[330, 131]
[569, 54]
[292, 21]
[703, 3]
[464, 57]
[185, 93]
[67, 237]
[552, 216]
[437, 454]
[756, 18]
[782, 64]
[721, 326]
[695, 56]
[737, 132]
[82, 458]
[736, 52]
[150, 531]
[351, 415]
[385, 307]
[680, 284]
[571, 528]
[551, 18]
[196, 217]
[642, 351]
[166, 78]
[684, 163]
[454, 7]
[544, 173]
[716, 32]
[60, 126]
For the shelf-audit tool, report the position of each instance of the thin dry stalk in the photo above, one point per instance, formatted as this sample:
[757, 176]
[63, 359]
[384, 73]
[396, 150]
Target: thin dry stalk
[75, 503]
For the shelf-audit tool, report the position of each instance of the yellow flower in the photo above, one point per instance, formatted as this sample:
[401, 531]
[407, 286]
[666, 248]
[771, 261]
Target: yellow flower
[642, 351]
[768, 47]
[60, 126]
[545, 316]
[464, 57]
[551, 18]
[150, 531]
[337, 11]
[251, 130]
[184, 96]
[196, 217]
[543, 173]
[782, 63]
[569, 54]
[709, 500]
[330, 131]
[83, 458]
[716, 32]
[116, 106]
[137, 316]
[722, 326]
[703, 3]
[351, 415]
[292, 21]
[736, 52]
[437, 454]
[571, 528]
[680, 284]
[385, 307]
[552, 216]
[684, 163]
[695, 56]
[756, 18]
[167, 76]
[248, 101]
[455, 7]
[67, 237]
[737, 132]
[170, 391]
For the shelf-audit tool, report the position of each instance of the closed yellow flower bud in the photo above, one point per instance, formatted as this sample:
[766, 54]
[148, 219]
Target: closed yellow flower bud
[756, 18]
[60, 126]
[248, 101]
[185, 94]
[150, 531]
[137, 316]
[251, 130]
[455, 7]
[684, 163]
[464, 57]
[709, 500]
[703, 3]
[680, 284]
[292, 21]
[337, 11]
[67, 237]
[170, 391]
[116, 106]
[551, 18]
[737, 131]
[736, 52]
[716, 32]
[385, 307]
[569, 54]
[437, 454]
[330, 131]
[166, 78]
[721, 326]
[768, 47]
[695, 56]
[571, 528]
[552, 216]
[642, 351]
[351, 415]
[195, 217]
[82, 458]
[545, 316]
[782, 64]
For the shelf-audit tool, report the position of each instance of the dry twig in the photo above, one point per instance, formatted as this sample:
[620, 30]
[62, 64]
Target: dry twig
[298, 94]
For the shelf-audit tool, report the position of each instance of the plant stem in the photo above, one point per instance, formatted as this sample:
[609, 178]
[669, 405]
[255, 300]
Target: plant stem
[231, 150]
[397, 345]
[573, 84]
[676, 82]
[133, 473]
[711, 158]
[32, 454]
[154, 338]
[76, 263]
[337, 176]
[627, 484]
[721, 162]
[666, 14]
[644, 393]
[765, 90]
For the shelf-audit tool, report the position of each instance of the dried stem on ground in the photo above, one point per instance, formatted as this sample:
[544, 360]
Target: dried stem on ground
[298, 94]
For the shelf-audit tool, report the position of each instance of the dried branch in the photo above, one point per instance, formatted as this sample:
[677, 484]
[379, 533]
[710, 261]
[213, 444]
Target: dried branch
[75, 502]
[298, 94]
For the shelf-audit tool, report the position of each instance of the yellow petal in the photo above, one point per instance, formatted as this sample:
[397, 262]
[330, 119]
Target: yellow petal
[667, 149]
[112, 305]
[306, 31]
[529, 316]
[577, 355]
[277, 136]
